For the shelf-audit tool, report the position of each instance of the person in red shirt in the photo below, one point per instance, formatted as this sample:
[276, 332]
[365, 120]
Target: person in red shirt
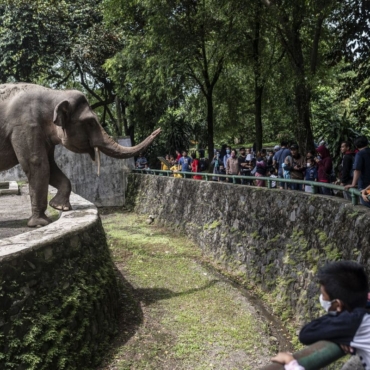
[178, 155]
[195, 166]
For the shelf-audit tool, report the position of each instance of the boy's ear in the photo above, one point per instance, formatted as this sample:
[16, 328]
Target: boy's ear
[339, 305]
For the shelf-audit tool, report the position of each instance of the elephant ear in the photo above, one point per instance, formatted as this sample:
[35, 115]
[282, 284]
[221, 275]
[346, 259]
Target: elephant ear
[62, 114]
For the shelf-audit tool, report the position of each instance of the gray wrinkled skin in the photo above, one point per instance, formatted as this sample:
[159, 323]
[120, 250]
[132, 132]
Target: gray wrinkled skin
[33, 120]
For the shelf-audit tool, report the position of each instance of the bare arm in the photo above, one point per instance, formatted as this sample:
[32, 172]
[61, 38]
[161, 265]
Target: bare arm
[356, 176]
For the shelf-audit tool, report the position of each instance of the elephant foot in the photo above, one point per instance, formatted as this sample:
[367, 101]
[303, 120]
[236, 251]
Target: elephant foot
[39, 221]
[60, 203]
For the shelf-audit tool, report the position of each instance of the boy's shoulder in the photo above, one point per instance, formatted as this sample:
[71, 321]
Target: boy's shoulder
[336, 327]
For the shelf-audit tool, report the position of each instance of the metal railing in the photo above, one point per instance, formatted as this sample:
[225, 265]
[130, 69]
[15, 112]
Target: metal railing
[355, 194]
[313, 357]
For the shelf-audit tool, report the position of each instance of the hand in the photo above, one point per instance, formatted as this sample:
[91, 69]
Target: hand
[364, 196]
[348, 187]
[283, 358]
[347, 349]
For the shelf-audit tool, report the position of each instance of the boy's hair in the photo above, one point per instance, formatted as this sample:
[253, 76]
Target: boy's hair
[347, 281]
[361, 142]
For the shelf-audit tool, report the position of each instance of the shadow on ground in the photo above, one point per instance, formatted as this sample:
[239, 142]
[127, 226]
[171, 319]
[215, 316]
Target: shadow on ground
[132, 316]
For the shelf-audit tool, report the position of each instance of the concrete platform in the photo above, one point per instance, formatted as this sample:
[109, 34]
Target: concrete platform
[9, 187]
[15, 210]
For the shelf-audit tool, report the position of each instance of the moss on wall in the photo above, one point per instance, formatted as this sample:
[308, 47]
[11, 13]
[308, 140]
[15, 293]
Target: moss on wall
[272, 241]
[59, 304]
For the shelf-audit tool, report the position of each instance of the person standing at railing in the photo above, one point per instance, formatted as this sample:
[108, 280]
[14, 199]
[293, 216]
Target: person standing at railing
[279, 159]
[178, 155]
[299, 167]
[232, 165]
[311, 173]
[227, 155]
[243, 165]
[163, 166]
[346, 167]
[216, 162]
[287, 168]
[324, 168]
[269, 160]
[361, 174]
[176, 168]
[260, 169]
[141, 162]
[185, 162]
[195, 166]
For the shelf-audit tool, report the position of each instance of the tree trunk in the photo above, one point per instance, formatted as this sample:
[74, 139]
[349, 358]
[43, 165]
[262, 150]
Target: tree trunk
[303, 130]
[119, 115]
[258, 115]
[258, 85]
[210, 123]
[129, 126]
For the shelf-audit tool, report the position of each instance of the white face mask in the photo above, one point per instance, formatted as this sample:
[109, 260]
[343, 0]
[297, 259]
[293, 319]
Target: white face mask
[308, 164]
[325, 304]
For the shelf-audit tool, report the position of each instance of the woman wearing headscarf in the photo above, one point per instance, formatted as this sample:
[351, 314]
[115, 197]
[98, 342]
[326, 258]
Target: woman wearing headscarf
[324, 167]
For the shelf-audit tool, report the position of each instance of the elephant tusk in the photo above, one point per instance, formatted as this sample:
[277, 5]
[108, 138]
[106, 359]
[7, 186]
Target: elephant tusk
[97, 158]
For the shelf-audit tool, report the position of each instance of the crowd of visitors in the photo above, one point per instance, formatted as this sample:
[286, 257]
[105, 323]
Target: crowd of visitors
[282, 162]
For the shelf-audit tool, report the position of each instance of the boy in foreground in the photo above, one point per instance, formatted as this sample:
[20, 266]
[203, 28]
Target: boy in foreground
[344, 291]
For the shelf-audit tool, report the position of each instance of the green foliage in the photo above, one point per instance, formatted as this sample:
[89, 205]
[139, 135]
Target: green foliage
[332, 122]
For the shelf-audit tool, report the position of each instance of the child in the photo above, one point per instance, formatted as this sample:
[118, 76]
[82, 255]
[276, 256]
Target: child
[344, 291]
[287, 166]
[272, 174]
[176, 168]
[311, 173]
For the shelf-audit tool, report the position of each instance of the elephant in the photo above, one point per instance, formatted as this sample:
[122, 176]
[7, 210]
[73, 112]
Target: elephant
[33, 120]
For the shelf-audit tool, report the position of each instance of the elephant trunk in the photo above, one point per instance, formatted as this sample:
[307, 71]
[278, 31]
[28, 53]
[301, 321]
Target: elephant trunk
[112, 149]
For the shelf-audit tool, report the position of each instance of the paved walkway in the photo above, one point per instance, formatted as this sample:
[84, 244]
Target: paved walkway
[15, 211]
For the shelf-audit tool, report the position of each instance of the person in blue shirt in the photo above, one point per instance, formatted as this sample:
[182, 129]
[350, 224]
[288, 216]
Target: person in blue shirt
[185, 162]
[279, 159]
[361, 174]
[141, 162]
[227, 155]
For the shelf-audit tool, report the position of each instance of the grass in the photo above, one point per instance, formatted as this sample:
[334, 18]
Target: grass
[190, 319]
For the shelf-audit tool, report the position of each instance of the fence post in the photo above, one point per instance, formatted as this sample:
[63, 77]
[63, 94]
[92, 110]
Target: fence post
[269, 184]
[354, 197]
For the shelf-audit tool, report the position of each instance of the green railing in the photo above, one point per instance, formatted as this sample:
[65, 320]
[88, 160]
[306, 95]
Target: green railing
[355, 194]
[313, 357]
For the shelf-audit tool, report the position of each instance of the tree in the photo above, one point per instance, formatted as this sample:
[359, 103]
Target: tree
[181, 39]
[63, 45]
[300, 25]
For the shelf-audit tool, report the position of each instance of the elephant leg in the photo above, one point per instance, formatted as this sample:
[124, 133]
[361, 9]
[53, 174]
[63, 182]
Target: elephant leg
[60, 181]
[32, 156]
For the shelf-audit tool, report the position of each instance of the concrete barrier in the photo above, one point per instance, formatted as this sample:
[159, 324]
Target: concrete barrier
[59, 297]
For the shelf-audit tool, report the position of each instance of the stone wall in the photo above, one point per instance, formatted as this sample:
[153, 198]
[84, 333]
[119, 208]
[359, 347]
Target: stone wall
[108, 189]
[270, 240]
[59, 296]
